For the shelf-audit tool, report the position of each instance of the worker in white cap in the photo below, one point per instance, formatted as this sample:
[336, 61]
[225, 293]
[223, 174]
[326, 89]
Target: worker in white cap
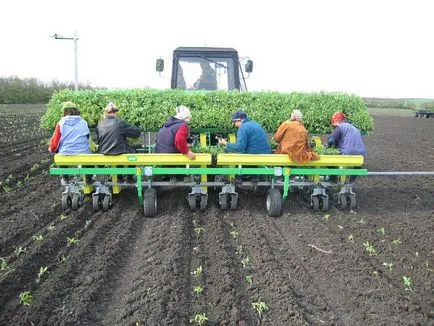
[172, 137]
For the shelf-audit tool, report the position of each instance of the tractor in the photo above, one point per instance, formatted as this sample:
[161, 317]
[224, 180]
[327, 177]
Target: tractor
[207, 68]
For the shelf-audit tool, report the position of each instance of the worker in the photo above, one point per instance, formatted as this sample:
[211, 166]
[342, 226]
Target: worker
[207, 79]
[71, 135]
[112, 135]
[251, 137]
[292, 139]
[173, 136]
[346, 138]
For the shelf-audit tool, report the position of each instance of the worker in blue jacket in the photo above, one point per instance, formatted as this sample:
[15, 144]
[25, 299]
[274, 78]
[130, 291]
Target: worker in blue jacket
[251, 137]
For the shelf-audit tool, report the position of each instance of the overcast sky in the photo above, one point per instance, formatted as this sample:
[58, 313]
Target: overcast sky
[372, 48]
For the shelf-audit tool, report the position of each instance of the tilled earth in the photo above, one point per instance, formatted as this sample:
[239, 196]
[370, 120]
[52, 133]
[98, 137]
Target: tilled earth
[306, 268]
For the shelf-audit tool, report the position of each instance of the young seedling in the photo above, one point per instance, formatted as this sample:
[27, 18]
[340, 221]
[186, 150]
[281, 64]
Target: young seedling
[240, 250]
[326, 217]
[197, 272]
[234, 234]
[19, 184]
[38, 237]
[351, 238]
[260, 306]
[87, 223]
[370, 248]
[340, 227]
[245, 261]
[3, 265]
[62, 259]
[408, 284]
[196, 250]
[63, 217]
[388, 265]
[249, 279]
[361, 221]
[26, 298]
[197, 289]
[72, 241]
[199, 319]
[381, 230]
[198, 231]
[20, 250]
[42, 271]
[51, 228]
[397, 241]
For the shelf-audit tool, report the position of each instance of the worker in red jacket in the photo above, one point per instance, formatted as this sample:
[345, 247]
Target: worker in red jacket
[172, 137]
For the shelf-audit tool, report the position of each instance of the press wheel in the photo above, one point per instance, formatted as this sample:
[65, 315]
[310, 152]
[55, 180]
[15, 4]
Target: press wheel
[66, 201]
[223, 201]
[192, 202]
[351, 201]
[150, 202]
[274, 203]
[234, 200]
[314, 203]
[106, 203]
[96, 203]
[324, 204]
[342, 202]
[203, 202]
[75, 202]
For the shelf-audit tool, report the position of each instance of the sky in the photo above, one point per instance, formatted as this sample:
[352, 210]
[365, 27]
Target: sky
[371, 48]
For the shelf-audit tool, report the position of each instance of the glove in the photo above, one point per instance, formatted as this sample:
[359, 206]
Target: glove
[331, 142]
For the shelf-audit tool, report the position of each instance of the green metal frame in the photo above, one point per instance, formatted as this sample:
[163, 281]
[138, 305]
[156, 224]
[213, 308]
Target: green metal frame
[266, 171]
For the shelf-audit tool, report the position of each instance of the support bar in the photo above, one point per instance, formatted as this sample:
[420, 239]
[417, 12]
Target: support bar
[400, 173]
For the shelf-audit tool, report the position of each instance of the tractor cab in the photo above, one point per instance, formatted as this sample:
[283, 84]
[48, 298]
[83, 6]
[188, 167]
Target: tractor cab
[206, 68]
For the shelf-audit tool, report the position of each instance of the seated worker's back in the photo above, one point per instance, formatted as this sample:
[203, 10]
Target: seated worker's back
[112, 133]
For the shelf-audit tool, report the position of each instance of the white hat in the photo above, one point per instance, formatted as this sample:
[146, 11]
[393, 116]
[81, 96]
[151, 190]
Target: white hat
[183, 113]
[296, 115]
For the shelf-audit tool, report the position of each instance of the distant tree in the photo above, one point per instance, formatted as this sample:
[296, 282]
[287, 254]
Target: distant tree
[31, 90]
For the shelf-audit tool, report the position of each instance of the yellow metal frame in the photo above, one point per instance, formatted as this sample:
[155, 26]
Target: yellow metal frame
[284, 160]
[132, 159]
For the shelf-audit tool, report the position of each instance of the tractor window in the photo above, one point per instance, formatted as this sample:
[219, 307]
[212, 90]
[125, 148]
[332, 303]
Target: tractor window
[200, 73]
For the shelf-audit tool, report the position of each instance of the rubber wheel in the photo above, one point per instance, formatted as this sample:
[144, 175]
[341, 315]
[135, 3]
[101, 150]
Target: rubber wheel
[427, 115]
[203, 202]
[66, 202]
[106, 203]
[150, 202]
[274, 203]
[96, 203]
[314, 203]
[234, 200]
[324, 204]
[351, 202]
[342, 202]
[75, 202]
[223, 202]
[192, 202]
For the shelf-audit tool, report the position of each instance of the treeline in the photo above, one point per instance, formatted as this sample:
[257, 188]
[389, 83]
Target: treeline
[399, 103]
[14, 90]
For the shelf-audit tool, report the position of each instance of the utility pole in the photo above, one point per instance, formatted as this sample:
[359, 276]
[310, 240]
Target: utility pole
[75, 39]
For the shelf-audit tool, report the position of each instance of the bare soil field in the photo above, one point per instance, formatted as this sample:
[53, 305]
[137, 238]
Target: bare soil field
[369, 266]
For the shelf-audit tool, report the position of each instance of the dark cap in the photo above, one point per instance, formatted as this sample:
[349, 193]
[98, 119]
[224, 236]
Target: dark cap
[239, 115]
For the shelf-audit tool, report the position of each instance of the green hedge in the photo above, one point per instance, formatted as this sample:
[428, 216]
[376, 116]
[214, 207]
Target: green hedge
[149, 109]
